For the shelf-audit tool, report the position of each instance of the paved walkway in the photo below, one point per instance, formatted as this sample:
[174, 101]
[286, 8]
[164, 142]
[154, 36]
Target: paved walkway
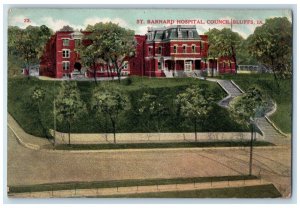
[270, 132]
[139, 189]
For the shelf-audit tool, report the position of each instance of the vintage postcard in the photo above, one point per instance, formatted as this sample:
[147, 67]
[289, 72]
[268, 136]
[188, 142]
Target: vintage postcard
[149, 103]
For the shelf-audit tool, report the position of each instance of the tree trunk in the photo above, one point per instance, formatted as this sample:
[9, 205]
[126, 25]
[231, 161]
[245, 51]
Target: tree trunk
[69, 133]
[276, 80]
[114, 129]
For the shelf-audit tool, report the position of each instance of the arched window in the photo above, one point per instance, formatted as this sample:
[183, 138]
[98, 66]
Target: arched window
[193, 48]
[175, 49]
[184, 49]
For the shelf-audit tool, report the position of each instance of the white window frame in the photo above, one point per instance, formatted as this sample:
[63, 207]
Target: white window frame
[64, 42]
[125, 65]
[75, 40]
[188, 65]
[194, 50]
[159, 65]
[176, 48]
[63, 65]
[159, 50]
[64, 50]
[184, 51]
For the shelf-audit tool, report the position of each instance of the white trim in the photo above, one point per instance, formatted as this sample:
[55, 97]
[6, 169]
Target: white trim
[69, 53]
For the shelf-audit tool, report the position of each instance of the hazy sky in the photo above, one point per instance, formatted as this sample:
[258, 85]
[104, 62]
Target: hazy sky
[80, 18]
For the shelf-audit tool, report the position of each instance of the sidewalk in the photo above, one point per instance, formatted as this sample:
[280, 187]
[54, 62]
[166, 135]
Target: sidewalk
[25, 139]
[138, 189]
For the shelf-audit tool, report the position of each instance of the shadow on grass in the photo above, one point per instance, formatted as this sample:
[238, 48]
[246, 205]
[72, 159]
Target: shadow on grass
[160, 145]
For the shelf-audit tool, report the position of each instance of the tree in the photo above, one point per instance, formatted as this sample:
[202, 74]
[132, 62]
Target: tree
[28, 44]
[69, 105]
[271, 44]
[224, 43]
[112, 44]
[152, 110]
[245, 109]
[111, 102]
[194, 104]
[38, 96]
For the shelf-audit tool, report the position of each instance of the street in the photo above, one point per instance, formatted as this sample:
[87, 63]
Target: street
[26, 166]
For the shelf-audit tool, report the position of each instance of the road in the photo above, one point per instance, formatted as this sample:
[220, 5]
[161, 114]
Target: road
[26, 166]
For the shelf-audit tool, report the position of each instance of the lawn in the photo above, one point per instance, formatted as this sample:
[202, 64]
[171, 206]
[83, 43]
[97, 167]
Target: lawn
[283, 95]
[260, 191]
[22, 108]
[161, 145]
[123, 183]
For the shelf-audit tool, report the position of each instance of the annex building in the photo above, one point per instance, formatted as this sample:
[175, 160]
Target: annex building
[175, 51]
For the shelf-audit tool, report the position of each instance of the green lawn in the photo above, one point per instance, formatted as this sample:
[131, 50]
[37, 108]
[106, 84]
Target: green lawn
[161, 145]
[261, 191]
[22, 108]
[123, 183]
[283, 95]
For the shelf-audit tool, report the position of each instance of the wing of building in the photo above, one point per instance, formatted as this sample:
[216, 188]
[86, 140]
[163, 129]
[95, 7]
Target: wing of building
[175, 51]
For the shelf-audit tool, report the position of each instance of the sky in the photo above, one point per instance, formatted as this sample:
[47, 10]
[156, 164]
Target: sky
[80, 18]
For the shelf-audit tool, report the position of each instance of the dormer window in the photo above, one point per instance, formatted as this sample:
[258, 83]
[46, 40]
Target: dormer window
[190, 34]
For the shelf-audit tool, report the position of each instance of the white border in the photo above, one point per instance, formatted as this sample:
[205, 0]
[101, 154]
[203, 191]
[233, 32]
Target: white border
[82, 3]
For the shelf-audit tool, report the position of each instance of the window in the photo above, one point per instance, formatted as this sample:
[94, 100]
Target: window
[190, 34]
[77, 43]
[66, 42]
[193, 48]
[188, 66]
[174, 49]
[159, 50]
[66, 65]
[201, 45]
[125, 65]
[66, 53]
[184, 48]
[150, 51]
[159, 65]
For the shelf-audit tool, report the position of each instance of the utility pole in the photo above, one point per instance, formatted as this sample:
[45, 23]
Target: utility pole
[251, 146]
[54, 122]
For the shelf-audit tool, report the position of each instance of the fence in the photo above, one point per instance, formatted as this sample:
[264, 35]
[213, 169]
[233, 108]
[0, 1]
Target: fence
[62, 138]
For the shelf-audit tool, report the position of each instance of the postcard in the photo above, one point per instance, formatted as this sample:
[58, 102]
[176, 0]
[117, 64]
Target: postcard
[149, 103]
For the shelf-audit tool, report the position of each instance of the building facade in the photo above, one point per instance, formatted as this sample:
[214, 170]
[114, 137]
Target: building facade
[175, 51]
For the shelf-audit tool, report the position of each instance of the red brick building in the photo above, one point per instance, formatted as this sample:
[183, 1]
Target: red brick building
[163, 52]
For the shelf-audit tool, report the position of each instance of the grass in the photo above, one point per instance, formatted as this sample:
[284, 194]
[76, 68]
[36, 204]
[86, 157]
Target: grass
[282, 96]
[25, 112]
[160, 145]
[122, 183]
[260, 191]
